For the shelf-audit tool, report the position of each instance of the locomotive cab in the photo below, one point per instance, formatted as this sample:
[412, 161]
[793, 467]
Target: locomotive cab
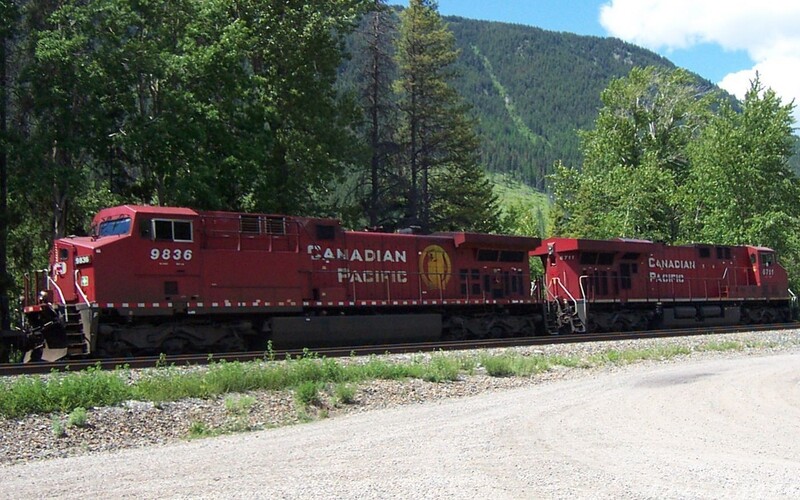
[149, 246]
[767, 273]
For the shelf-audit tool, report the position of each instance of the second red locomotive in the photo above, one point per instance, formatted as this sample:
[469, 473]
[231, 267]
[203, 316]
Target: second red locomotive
[622, 285]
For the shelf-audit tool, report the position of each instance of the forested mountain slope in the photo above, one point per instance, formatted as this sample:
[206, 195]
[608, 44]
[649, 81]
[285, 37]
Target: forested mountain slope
[531, 89]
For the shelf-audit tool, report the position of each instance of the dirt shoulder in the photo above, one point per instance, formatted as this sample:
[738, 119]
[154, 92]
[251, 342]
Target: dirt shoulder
[701, 427]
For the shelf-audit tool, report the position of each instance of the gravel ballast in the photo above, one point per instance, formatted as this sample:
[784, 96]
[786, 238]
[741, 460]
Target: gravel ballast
[706, 425]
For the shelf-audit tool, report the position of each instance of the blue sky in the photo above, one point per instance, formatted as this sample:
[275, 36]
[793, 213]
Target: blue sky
[725, 41]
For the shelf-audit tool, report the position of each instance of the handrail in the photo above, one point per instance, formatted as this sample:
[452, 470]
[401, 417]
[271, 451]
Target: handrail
[577, 310]
[78, 288]
[58, 288]
[558, 282]
[580, 284]
[60, 293]
[550, 296]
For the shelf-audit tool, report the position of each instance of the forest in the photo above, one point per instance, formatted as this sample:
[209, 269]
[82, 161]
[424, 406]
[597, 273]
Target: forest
[384, 117]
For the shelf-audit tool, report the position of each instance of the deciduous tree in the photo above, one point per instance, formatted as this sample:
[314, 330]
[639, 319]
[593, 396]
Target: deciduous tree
[741, 189]
[635, 159]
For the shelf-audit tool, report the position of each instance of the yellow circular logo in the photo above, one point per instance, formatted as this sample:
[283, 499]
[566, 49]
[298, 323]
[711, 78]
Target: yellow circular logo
[435, 267]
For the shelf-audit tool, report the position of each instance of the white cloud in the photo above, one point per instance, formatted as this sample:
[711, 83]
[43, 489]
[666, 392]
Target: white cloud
[769, 31]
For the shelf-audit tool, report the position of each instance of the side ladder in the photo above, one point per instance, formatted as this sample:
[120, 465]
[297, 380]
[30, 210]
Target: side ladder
[565, 315]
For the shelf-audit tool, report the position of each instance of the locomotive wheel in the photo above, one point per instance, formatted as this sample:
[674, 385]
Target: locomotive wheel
[591, 325]
[752, 316]
[456, 329]
[456, 333]
[174, 345]
[112, 349]
[230, 343]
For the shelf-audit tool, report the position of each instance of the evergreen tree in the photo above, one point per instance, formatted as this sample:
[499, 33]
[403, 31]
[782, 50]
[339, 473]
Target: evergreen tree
[446, 186]
[378, 70]
[8, 15]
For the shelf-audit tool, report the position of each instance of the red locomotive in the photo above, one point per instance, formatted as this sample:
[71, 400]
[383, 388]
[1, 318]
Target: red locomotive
[159, 279]
[621, 285]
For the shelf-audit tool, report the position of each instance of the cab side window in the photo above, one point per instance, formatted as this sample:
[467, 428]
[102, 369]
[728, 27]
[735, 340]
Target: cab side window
[170, 230]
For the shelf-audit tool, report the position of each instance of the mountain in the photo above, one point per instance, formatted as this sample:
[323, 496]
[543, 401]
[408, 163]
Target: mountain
[531, 89]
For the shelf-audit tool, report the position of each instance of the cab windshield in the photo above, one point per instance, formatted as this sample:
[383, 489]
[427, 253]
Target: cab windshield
[114, 227]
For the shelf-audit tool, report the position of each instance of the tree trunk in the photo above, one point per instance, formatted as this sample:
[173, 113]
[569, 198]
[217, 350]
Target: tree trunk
[5, 319]
[374, 115]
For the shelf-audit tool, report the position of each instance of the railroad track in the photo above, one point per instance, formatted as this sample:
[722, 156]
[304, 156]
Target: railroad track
[8, 369]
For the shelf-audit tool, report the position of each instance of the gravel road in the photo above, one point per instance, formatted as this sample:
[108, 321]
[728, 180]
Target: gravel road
[709, 427]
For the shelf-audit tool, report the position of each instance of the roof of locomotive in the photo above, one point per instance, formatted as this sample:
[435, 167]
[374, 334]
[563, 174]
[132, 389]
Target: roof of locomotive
[502, 241]
[189, 212]
[616, 245]
[575, 244]
[112, 212]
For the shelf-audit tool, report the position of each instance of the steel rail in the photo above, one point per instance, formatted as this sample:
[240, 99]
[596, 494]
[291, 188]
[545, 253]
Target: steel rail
[73, 365]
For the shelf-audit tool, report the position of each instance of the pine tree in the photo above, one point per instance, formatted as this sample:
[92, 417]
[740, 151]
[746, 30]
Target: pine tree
[376, 94]
[446, 187]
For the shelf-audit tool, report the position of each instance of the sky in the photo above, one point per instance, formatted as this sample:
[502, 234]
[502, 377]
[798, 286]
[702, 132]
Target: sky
[724, 41]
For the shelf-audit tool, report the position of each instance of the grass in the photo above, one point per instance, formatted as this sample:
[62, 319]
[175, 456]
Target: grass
[634, 355]
[62, 392]
[309, 377]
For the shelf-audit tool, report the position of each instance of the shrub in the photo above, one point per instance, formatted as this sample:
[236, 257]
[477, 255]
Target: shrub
[239, 405]
[78, 418]
[344, 393]
[58, 428]
[198, 429]
[307, 393]
[497, 366]
[506, 365]
[442, 368]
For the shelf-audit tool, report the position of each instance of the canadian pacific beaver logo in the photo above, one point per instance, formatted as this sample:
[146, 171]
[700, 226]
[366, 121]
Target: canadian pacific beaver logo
[435, 267]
